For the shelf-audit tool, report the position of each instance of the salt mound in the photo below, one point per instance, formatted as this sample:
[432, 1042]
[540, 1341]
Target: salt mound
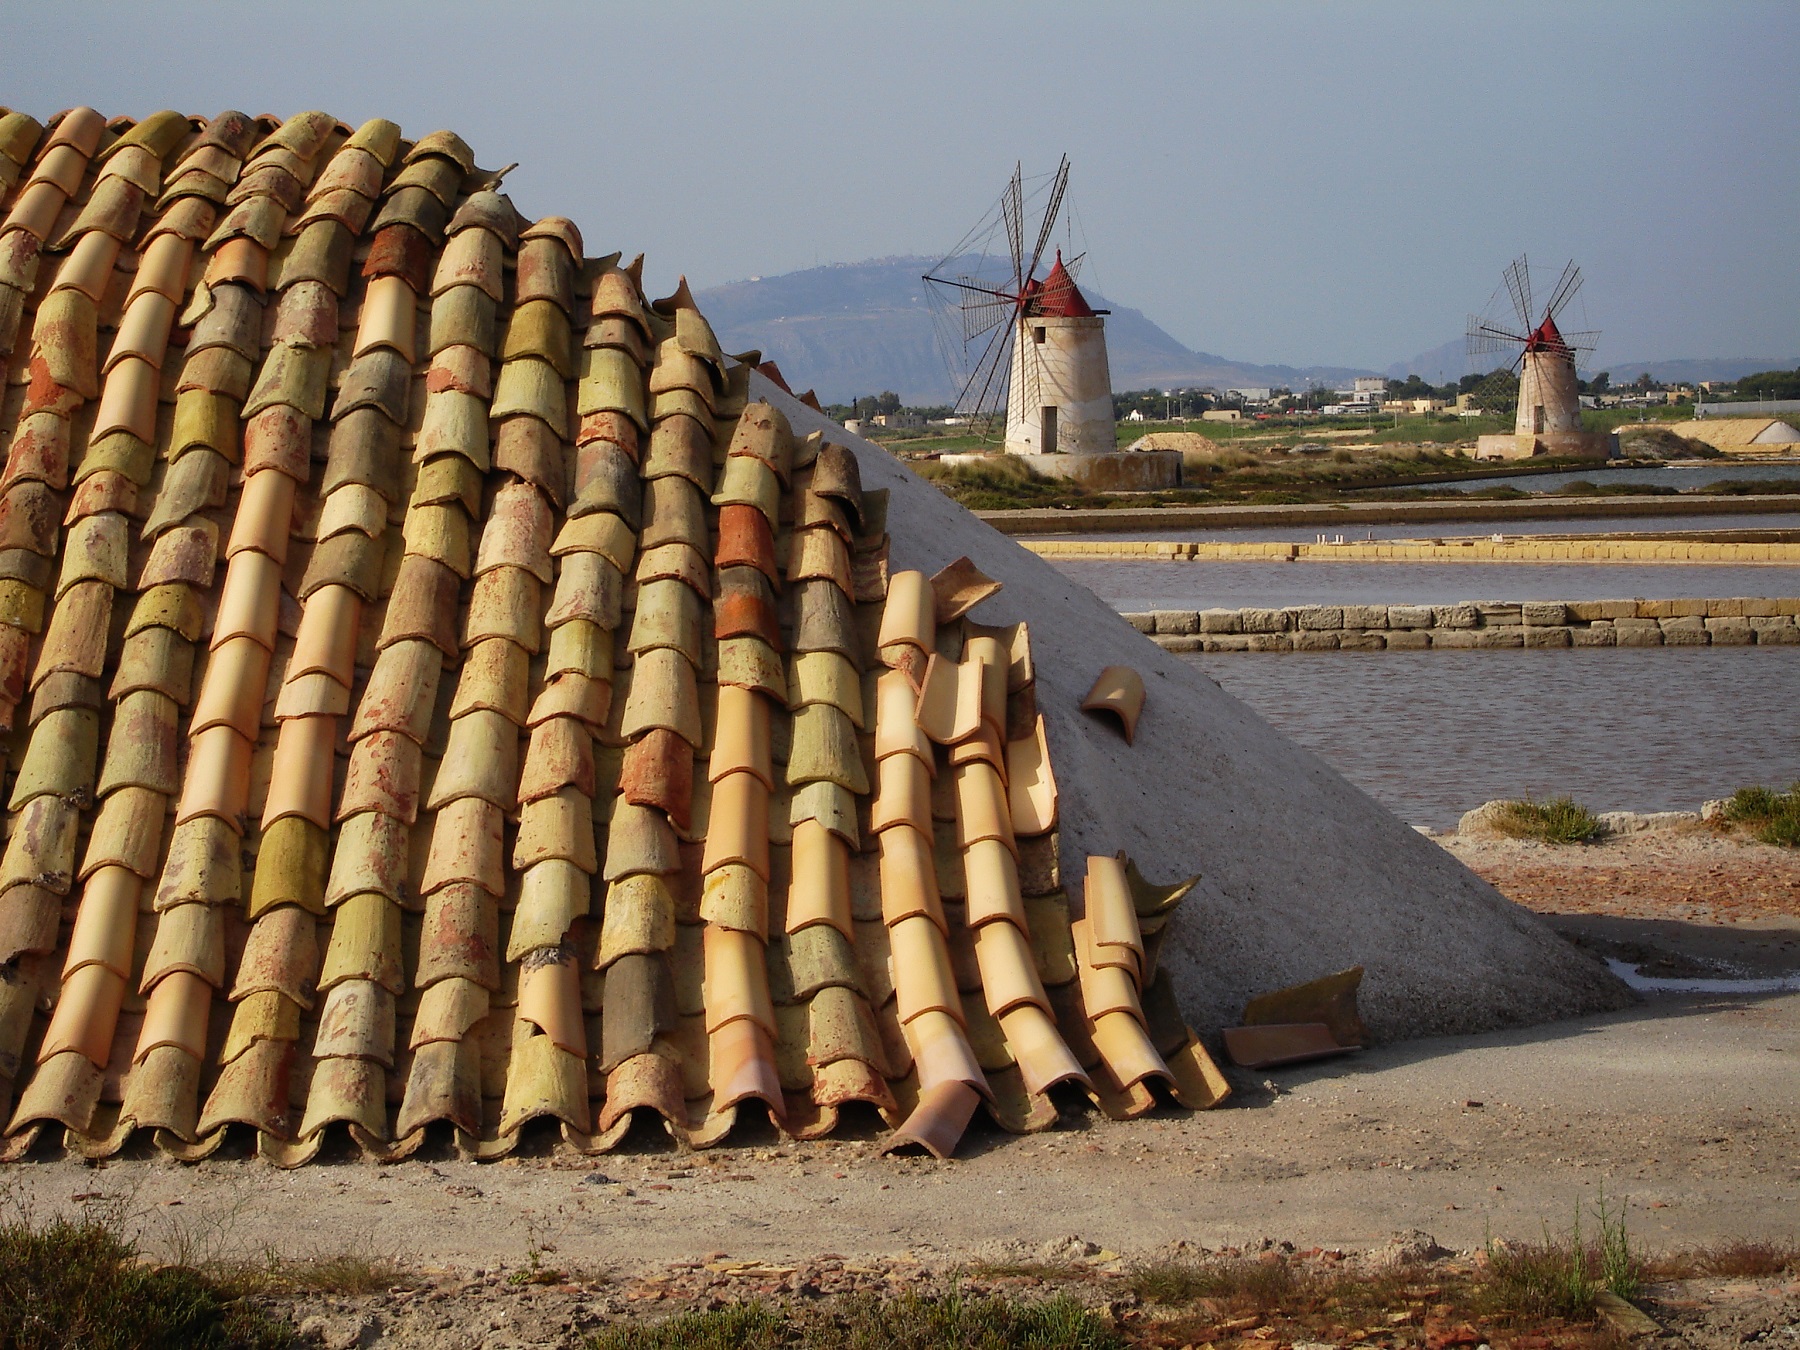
[1301, 872]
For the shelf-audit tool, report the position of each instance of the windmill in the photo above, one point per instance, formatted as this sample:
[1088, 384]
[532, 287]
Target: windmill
[1013, 341]
[1549, 398]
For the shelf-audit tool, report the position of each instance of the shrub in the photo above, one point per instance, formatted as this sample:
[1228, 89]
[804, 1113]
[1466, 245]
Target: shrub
[909, 1322]
[69, 1283]
[1774, 817]
[1559, 820]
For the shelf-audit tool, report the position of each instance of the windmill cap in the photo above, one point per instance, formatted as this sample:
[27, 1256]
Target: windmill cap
[1057, 296]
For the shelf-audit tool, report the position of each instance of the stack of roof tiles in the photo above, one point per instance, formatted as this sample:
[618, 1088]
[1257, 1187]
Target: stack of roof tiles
[440, 700]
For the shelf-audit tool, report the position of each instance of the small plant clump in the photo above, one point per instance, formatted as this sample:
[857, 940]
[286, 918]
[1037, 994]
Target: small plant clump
[910, 1322]
[81, 1283]
[1557, 820]
[1773, 817]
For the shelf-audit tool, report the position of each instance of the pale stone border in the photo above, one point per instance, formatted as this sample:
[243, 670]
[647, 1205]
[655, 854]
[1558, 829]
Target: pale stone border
[1477, 624]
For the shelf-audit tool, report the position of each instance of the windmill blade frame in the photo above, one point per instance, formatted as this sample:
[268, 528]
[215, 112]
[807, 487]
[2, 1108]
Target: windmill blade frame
[1517, 278]
[1566, 286]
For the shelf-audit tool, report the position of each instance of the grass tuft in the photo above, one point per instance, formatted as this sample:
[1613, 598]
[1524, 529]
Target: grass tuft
[910, 1322]
[80, 1283]
[1557, 820]
[1741, 1259]
[1242, 1284]
[1774, 817]
[1560, 1276]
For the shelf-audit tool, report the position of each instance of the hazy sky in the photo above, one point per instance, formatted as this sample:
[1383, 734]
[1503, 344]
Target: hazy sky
[1274, 182]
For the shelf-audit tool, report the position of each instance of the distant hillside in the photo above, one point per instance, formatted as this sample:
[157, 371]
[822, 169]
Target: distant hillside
[858, 328]
[1443, 364]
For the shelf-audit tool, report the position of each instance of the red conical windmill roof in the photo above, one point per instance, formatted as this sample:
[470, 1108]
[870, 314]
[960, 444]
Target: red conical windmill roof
[1546, 337]
[1057, 296]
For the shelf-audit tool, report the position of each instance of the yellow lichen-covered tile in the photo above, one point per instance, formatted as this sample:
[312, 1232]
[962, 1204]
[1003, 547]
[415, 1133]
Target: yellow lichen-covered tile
[191, 938]
[831, 804]
[531, 387]
[748, 481]
[365, 944]
[679, 403]
[639, 839]
[370, 855]
[494, 678]
[290, 867]
[481, 760]
[95, 549]
[829, 678]
[543, 1078]
[559, 825]
[540, 328]
[751, 663]
[127, 832]
[348, 1090]
[638, 917]
[824, 748]
[579, 646]
[506, 602]
[41, 849]
[440, 533]
[734, 896]
[60, 759]
[552, 895]
[448, 1011]
[467, 845]
[664, 693]
[818, 958]
[140, 752]
[611, 381]
[668, 614]
[264, 1016]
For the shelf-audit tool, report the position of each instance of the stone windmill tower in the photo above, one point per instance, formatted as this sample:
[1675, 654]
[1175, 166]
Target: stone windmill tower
[1029, 344]
[1548, 421]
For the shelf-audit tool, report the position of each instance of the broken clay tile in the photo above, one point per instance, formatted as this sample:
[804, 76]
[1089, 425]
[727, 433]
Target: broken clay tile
[1118, 690]
[448, 1011]
[1330, 999]
[909, 615]
[481, 760]
[658, 771]
[552, 896]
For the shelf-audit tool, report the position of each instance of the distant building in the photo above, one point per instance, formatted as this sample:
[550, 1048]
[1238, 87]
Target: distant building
[1369, 384]
[1222, 415]
[1135, 415]
[1249, 395]
[898, 420]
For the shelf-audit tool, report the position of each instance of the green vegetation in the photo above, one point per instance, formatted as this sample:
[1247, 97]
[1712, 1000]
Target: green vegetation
[1770, 384]
[68, 1283]
[1581, 487]
[999, 484]
[1559, 1276]
[1747, 487]
[1559, 820]
[910, 1322]
[1773, 817]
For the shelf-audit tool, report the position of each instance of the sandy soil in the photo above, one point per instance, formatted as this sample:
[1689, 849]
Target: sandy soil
[1685, 1108]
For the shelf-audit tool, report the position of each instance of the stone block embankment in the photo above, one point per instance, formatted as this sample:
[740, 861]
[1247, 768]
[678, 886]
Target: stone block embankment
[1483, 625]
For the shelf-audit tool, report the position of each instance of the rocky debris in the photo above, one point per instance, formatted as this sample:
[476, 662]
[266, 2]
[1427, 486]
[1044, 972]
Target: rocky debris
[1415, 1247]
